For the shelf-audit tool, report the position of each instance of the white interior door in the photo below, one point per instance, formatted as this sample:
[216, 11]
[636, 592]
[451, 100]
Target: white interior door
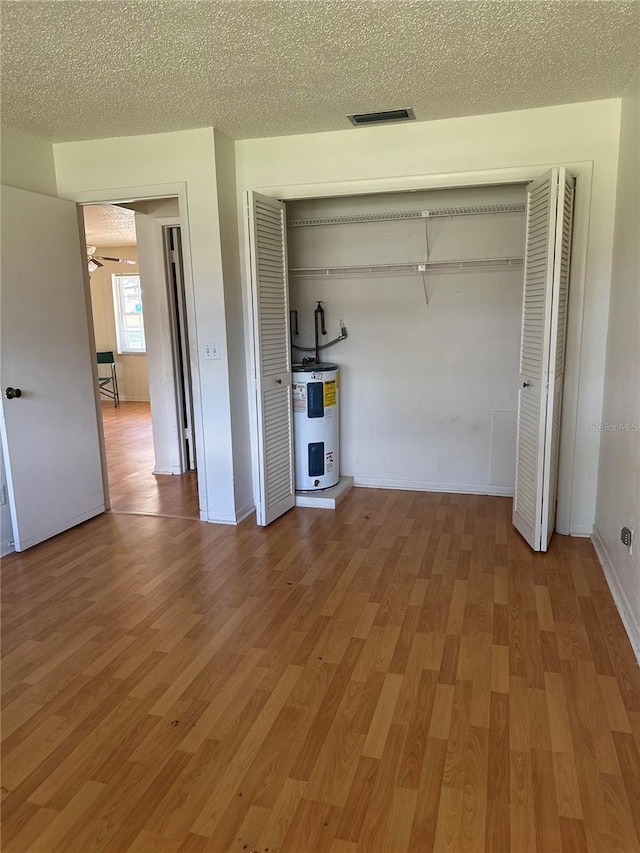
[544, 312]
[180, 337]
[50, 432]
[272, 353]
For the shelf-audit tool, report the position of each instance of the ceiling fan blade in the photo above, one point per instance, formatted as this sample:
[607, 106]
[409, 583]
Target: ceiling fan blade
[117, 260]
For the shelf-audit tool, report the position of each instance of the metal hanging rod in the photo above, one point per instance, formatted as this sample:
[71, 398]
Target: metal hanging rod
[411, 267]
[388, 216]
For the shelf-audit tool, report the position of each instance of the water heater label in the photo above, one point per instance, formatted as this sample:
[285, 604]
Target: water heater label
[330, 393]
[299, 393]
[329, 461]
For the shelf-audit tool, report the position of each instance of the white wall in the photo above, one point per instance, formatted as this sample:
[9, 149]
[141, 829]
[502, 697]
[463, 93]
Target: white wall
[229, 241]
[159, 339]
[371, 159]
[162, 380]
[428, 390]
[133, 379]
[619, 473]
[143, 163]
[25, 163]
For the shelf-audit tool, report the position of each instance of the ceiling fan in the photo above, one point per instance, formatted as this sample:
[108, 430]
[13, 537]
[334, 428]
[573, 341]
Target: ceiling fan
[93, 260]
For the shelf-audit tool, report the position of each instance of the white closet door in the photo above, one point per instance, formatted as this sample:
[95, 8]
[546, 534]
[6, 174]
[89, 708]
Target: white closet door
[272, 352]
[560, 302]
[546, 276]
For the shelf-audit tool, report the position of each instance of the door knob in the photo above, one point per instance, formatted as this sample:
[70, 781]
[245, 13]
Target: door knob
[10, 393]
[526, 384]
[279, 381]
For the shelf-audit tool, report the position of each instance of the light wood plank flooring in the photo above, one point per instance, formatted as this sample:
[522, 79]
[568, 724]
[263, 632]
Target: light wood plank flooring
[130, 461]
[401, 675]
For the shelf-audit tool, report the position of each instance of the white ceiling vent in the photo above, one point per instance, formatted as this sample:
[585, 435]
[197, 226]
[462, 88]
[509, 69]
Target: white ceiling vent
[382, 117]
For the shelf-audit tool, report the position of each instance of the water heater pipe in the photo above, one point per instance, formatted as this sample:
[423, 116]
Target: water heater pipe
[318, 316]
[341, 337]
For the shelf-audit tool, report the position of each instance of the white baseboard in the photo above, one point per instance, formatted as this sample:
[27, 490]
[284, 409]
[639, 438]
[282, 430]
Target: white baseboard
[244, 512]
[431, 486]
[6, 548]
[229, 518]
[221, 518]
[581, 530]
[620, 599]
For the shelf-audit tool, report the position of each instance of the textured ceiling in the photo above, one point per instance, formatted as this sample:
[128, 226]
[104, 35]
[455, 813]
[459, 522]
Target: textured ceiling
[109, 225]
[77, 70]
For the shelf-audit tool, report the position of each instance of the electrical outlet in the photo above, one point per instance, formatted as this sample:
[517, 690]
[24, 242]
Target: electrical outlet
[626, 537]
[3, 495]
[211, 350]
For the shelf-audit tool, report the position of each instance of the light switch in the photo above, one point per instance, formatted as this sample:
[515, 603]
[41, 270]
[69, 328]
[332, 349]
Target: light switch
[211, 350]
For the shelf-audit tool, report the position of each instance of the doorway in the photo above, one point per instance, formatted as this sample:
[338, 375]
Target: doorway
[151, 468]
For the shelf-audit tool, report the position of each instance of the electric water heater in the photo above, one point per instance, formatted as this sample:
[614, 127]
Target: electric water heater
[316, 426]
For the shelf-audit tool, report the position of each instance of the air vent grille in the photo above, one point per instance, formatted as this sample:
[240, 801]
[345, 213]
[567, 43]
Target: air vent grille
[381, 117]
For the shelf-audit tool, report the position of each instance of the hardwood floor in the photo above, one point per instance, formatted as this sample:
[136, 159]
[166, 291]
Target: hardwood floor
[401, 675]
[130, 461]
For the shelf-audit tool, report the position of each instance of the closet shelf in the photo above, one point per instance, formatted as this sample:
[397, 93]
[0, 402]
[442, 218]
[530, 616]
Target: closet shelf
[388, 216]
[410, 267]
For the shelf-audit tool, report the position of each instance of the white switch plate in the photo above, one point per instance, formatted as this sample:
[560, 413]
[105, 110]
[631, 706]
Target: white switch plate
[211, 350]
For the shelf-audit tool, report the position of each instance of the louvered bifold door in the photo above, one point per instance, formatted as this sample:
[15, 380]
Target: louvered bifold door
[544, 312]
[272, 352]
[559, 306]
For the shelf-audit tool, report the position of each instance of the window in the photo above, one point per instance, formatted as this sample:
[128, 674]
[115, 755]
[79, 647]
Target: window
[127, 305]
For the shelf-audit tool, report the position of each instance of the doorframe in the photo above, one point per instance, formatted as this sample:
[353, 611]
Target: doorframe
[94, 364]
[583, 172]
[166, 222]
[151, 193]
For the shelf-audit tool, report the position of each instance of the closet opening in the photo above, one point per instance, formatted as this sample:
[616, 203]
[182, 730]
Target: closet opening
[429, 286]
[451, 374]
